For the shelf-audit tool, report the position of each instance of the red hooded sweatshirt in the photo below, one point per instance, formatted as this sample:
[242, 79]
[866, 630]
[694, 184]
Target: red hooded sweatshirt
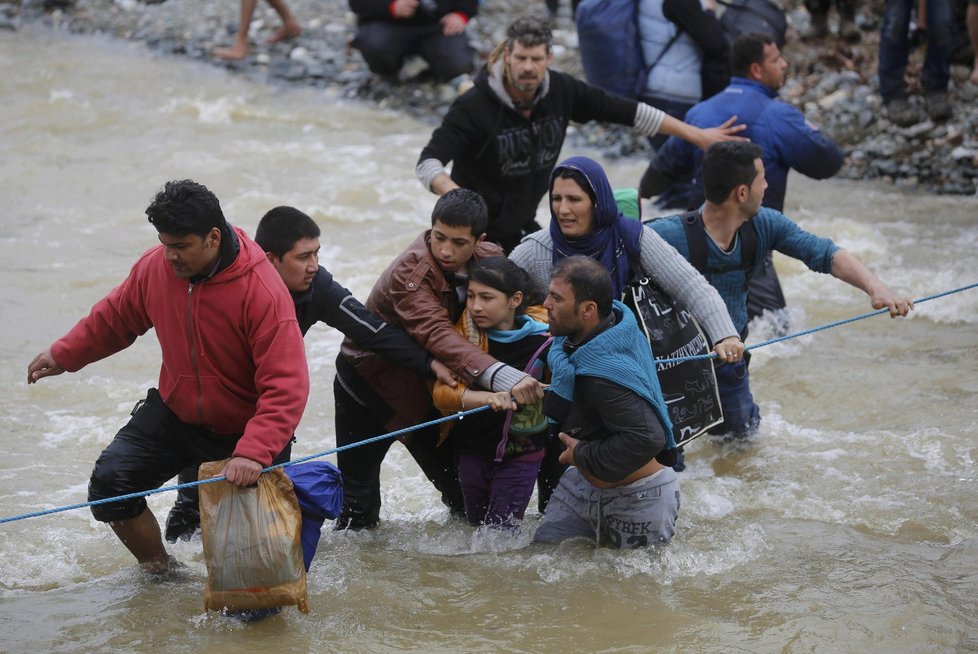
[233, 357]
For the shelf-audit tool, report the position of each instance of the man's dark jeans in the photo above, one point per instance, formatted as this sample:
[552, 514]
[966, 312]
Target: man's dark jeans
[895, 47]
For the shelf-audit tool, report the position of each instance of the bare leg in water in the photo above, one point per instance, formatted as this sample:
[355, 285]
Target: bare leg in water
[141, 536]
[290, 29]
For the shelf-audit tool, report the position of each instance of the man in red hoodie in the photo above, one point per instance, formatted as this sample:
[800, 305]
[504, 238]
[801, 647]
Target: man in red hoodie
[233, 381]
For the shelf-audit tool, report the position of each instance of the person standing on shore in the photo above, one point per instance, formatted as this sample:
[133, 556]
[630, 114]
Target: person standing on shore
[239, 50]
[894, 52]
[233, 381]
[972, 21]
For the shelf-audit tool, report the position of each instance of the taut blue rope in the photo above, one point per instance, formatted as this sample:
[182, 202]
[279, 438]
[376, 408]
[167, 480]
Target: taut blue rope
[454, 416]
[164, 489]
[712, 355]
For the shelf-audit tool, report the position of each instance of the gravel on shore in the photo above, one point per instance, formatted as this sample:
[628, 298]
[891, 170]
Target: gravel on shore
[832, 82]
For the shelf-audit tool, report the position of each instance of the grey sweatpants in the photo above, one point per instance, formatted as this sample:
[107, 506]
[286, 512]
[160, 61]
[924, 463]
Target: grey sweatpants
[639, 514]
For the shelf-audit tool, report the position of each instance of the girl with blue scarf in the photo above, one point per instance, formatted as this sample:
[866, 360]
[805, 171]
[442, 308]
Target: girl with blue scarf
[499, 453]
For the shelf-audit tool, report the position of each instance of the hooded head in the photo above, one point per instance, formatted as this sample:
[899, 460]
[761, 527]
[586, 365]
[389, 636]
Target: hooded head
[599, 231]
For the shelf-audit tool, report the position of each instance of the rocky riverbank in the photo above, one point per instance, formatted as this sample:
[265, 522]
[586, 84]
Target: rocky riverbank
[832, 82]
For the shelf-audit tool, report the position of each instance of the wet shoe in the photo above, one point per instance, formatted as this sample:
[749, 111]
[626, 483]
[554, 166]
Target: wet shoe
[902, 113]
[354, 521]
[938, 107]
[249, 616]
[182, 523]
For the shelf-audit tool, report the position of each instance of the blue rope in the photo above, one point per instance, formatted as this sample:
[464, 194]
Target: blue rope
[713, 355]
[164, 489]
[454, 416]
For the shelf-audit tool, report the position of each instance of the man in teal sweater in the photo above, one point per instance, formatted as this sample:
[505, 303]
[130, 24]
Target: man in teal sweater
[727, 238]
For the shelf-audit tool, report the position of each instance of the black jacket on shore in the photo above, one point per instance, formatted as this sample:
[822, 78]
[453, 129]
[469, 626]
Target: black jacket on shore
[506, 157]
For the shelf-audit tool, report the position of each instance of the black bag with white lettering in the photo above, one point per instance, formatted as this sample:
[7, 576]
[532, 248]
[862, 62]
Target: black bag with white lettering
[689, 387]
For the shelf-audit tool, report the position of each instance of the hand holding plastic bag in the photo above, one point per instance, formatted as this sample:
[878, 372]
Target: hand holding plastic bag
[251, 539]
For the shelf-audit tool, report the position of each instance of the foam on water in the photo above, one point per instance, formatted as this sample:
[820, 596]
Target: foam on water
[850, 518]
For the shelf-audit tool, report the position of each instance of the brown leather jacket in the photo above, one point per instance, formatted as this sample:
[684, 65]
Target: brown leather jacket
[414, 295]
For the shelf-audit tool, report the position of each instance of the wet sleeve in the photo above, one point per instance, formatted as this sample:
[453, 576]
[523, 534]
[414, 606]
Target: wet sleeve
[790, 239]
[344, 312]
[281, 381]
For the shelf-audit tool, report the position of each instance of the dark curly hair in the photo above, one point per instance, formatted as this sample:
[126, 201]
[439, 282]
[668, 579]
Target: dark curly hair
[185, 207]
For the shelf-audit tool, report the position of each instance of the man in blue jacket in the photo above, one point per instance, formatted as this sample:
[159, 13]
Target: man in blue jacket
[726, 240]
[786, 138]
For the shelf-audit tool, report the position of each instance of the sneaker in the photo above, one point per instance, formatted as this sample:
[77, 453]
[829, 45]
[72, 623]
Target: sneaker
[902, 113]
[938, 108]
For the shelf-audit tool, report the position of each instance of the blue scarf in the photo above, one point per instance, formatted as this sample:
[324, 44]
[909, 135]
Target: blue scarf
[529, 327]
[619, 354]
[614, 243]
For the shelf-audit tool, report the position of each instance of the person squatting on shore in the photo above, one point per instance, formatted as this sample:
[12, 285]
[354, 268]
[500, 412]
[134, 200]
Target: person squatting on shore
[233, 380]
[387, 32]
[605, 400]
[499, 454]
[733, 216]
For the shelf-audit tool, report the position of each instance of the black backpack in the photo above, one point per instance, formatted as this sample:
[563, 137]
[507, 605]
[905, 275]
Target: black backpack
[744, 16]
[610, 46]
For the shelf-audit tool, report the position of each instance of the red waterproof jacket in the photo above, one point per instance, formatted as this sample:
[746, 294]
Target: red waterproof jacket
[233, 357]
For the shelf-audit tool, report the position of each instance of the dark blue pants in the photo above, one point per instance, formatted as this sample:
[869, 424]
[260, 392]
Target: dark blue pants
[384, 46]
[740, 415]
[895, 47]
